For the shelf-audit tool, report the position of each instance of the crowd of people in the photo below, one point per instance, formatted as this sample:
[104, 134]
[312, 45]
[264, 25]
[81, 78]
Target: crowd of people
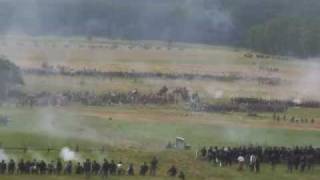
[68, 71]
[88, 168]
[297, 158]
[134, 97]
[278, 118]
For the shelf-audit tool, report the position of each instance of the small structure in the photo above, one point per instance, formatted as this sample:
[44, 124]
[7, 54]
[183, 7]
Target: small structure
[180, 144]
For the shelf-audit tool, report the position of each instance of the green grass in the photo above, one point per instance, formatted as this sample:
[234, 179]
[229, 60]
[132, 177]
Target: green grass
[135, 134]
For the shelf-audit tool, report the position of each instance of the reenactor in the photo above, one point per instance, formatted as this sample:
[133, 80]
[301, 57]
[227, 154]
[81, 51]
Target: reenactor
[3, 167]
[303, 163]
[68, 168]
[257, 164]
[290, 160]
[27, 168]
[120, 170]
[58, 167]
[105, 168]
[153, 166]
[113, 168]
[312, 121]
[50, 168]
[11, 167]
[144, 169]
[181, 175]
[203, 152]
[21, 167]
[273, 160]
[284, 118]
[42, 167]
[95, 168]
[87, 167]
[172, 171]
[241, 161]
[79, 169]
[130, 170]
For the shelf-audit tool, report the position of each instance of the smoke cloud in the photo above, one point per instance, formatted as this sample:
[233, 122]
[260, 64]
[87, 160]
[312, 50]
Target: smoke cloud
[3, 155]
[180, 20]
[68, 155]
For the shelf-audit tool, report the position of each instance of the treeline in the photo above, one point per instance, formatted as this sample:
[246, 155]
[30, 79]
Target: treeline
[285, 27]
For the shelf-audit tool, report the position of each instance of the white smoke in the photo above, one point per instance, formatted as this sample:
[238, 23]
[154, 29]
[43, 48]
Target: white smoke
[3, 155]
[68, 155]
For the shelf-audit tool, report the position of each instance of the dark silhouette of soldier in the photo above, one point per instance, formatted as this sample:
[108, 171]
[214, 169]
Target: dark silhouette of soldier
[290, 160]
[181, 175]
[144, 169]
[153, 166]
[21, 167]
[105, 168]
[3, 167]
[87, 167]
[113, 168]
[58, 167]
[257, 164]
[11, 167]
[172, 171]
[79, 169]
[68, 168]
[131, 170]
[51, 168]
[42, 168]
[95, 168]
[302, 163]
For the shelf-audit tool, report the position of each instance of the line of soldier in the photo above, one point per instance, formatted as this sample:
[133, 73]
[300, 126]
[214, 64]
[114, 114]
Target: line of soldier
[293, 119]
[163, 96]
[87, 168]
[297, 158]
[68, 71]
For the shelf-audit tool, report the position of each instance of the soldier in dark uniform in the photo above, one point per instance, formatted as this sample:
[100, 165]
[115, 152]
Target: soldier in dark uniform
[58, 167]
[302, 163]
[79, 169]
[290, 160]
[42, 167]
[153, 166]
[172, 171]
[181, 176]
[50, 168]
[113, 168]
[87, 167]
[105, 169]
[257, 164]
[144, 169]
[68, 168]
[203, 152]
[130, 170]
[95, 168]
[27, 168]
[273, 160]
[11, 167]
[3, 167]
[21, 167]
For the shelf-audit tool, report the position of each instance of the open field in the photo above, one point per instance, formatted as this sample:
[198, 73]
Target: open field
[297, 77]
[136, 133]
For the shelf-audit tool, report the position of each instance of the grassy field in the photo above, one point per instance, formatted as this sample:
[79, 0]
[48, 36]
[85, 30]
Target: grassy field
[135, 134]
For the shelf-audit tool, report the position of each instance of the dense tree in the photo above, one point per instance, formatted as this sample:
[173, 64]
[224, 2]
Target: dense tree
[10, 77]
[288, 27]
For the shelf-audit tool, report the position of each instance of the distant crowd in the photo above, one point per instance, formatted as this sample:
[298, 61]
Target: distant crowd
[298, 158]
[88, 168]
